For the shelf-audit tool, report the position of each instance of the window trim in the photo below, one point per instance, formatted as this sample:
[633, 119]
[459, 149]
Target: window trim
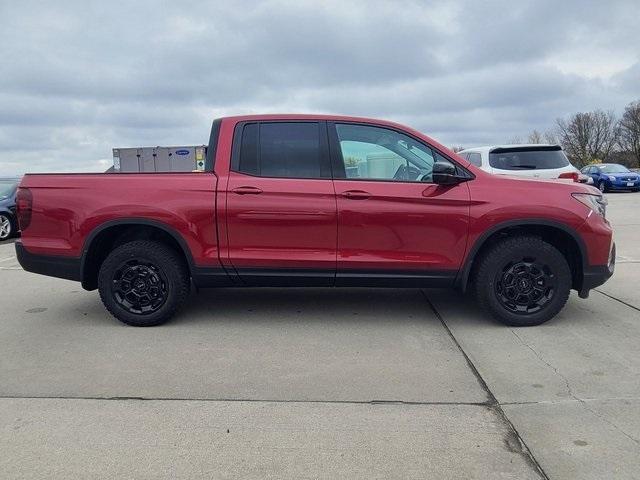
[337, 161]
[325, 163]
[212, 148]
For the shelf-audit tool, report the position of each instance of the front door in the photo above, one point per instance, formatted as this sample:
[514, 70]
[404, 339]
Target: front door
[281, 207]
[395, 226]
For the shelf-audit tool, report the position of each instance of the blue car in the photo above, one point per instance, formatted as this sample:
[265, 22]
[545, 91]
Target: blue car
[8, 223]
[612, 176]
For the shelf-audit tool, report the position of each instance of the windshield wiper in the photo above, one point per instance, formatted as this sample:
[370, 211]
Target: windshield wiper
[531, 167]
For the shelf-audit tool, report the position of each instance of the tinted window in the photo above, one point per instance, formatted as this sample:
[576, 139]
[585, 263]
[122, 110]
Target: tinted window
[375, 153]
[527, 158]
[281, 149]
[249, 150]
[475, 158]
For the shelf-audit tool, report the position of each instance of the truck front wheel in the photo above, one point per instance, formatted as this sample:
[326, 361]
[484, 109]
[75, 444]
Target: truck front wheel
[522, 281]
[143, 283]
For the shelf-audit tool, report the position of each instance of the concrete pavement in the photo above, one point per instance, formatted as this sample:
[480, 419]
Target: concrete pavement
[319, 383]
[196, 439]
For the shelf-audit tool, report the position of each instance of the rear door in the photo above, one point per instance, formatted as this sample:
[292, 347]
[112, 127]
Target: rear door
[281, 207]
[594, 172]
[395, 226]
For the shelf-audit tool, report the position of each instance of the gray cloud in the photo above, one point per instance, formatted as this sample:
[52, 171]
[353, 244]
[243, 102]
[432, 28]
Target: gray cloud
[80, 77]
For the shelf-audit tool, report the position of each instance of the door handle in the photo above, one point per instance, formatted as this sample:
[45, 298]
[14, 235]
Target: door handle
[356, 194]
[247, 190]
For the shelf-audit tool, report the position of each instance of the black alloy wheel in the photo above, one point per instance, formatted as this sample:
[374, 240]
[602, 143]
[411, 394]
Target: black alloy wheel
[139, 287]
[525, 286]
[522, 280]
[143, 283]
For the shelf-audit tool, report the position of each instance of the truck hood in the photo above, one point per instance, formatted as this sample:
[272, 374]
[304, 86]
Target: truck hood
[561, 183]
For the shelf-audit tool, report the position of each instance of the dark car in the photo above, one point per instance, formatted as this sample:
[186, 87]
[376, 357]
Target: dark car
[612, 176]
[8, 224]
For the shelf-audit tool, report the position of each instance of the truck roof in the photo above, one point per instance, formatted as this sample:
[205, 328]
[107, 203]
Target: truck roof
[340, 118]
[308, 116]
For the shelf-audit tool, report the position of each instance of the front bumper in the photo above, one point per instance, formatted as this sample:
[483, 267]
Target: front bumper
[624, 185]
[594, 276]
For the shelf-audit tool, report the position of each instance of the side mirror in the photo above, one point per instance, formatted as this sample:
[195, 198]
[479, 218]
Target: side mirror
[444, 173]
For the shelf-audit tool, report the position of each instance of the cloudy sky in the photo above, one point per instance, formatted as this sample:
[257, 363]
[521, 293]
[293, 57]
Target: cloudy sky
[78, 78]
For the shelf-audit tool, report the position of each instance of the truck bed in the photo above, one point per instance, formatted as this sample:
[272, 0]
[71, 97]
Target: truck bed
[69, 206]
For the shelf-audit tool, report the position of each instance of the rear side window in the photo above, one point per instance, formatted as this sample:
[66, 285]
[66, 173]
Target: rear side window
[527, 158]
[283, 149]
[475, 159]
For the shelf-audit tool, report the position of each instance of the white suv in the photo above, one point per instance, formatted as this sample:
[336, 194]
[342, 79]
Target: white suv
[532, 160]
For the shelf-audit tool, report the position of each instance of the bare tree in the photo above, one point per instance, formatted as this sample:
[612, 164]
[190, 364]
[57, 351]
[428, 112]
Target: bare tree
[589, 136]
[535, 137]
[630, 130]
[515, 140]
[551, 137]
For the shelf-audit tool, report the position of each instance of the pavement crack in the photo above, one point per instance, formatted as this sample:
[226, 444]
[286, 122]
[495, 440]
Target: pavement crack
[617, 300]
[125, 398]
[609, 422]
[552, 367]
[513, 440]
[582, 402]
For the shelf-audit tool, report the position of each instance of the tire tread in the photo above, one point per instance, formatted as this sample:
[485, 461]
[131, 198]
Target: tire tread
[503, 248]
[174, 268]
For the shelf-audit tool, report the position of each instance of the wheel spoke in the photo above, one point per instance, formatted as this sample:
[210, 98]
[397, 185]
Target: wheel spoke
[5, 227]
[139, 287]
[525, 286]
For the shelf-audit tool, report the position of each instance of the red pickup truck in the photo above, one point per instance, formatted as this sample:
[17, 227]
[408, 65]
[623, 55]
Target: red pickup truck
[312, 200]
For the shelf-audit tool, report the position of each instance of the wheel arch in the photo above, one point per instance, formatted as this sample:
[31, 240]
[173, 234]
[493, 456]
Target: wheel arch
[561, 236]
[108, 235]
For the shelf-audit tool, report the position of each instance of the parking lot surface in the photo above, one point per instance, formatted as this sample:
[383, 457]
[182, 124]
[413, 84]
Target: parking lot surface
[321, 383]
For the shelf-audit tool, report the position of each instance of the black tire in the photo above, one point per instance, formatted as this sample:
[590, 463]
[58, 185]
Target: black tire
[602, 186]
[522, 281]
[143, 283]
[7, 222]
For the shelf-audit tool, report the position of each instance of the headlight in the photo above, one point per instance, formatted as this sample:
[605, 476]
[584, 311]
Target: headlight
[613, 179]
[597, 203]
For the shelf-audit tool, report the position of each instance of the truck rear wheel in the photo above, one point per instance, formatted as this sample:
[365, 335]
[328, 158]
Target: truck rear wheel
[522, 281]
[143, 283]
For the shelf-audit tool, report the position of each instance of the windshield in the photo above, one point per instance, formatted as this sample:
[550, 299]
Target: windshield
[614, 168]
[7, 188]
[528, 158]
